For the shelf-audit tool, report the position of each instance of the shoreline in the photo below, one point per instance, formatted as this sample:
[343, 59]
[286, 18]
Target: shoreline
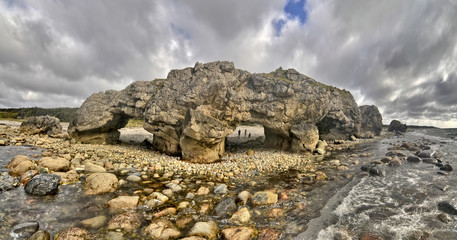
[147, 174]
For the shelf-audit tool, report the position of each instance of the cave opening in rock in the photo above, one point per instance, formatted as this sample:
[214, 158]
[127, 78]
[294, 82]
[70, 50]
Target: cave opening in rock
[246, 136]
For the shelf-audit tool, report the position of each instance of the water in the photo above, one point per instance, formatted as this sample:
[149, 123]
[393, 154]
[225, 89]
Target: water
[401, 205]
[53, 213]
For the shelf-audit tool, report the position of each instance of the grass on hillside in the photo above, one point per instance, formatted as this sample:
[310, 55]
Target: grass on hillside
[133, 123]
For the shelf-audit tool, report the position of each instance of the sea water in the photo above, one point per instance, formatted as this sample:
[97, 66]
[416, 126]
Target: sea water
[400, 205]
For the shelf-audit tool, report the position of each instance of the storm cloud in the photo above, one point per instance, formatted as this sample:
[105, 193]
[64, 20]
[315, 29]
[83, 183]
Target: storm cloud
[398, 55]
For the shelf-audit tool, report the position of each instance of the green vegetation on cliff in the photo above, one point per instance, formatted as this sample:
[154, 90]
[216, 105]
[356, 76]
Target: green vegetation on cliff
[64, 114]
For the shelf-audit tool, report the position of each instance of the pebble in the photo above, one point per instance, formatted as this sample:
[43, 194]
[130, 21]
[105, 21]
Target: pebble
[221, 189]
[242, 216]
[238, 233]
[204, 229]
[24, 230]
[243, 197]
[134, 178]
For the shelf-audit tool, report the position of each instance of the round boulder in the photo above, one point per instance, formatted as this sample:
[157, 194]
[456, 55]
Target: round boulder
[98, 183]
[55, 164]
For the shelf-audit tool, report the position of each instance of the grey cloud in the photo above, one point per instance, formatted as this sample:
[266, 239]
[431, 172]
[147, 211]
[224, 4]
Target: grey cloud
[399, 55]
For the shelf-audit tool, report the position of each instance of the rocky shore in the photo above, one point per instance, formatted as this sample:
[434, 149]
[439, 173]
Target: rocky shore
[163, 197]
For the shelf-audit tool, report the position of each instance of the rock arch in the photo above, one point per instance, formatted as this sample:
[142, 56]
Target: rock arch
[192, 111]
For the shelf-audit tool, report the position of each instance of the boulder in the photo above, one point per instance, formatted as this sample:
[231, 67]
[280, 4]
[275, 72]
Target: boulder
[98, 183]
[73, 233]
[95, 222]
[162, 229]
[43, 184]
[238, 233]
[101, 114]
[225, 207]
[54, 164]
[371, 119]
[396, 126]
[40, 235]
[128, 221]
[22, 168]
[123, 202]
[42, 125]
[204, 229]
[17, 160]
[264, 198]
[192, 111]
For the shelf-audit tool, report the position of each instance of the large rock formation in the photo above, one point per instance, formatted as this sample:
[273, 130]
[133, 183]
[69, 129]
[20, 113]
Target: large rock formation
[192, 111]
[371, 120]
[102, 114]
[198, 107]
[396, 126]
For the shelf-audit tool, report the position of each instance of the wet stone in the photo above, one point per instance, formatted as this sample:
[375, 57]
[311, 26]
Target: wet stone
[40, 235]
[225, 207]
[264, 198]
[73, 233]
[447, 208]
[238, 233]
[446, 167]
[43, 184]
[268, 234]
[414, 159]
[377, 171]
[221, 189]
[204, 229]
[24, 230]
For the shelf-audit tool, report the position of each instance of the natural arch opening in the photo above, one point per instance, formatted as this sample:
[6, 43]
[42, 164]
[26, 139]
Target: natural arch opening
[245, 136]
[133, 133]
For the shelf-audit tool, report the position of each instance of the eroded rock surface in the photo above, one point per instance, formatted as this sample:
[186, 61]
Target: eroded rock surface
[371, 120]
[42, 125]
[102, 114]
[192, 111]
[198, 107]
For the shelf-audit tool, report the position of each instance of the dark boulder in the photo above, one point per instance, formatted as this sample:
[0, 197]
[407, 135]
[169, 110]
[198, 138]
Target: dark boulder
[397, 126]
[447, 208]
[42, 125]
[414, 159]
[446, 167]
[371, 119]
[43, 184]
[225, 207]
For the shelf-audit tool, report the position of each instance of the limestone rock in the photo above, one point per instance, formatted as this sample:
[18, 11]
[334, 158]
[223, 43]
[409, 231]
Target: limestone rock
[95, 222]
[264, 198]
[241, 216]
[98, 183]
[204, 229]
[73, 233]
[22, 168]
[42, 125]
[128, 221]
[162, 229]
[223, 96]
[54, 164]
[371, 119]
[99, 117]
[123, 202]
[192, 111]
[238, 233]
[43, 184]
[93, 168]
[397, 126]
[40, 235]
[17, 160]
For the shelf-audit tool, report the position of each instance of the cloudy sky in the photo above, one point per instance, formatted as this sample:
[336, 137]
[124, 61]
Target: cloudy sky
[398, 55]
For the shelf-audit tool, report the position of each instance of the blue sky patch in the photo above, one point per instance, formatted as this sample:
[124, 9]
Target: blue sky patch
[294, 9]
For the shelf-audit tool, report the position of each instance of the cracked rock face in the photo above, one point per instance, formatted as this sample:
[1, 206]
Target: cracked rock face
[192, 111]
[102, 114]
[371, 119]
